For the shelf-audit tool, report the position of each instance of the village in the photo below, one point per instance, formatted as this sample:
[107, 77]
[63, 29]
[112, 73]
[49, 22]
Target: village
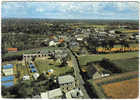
[71, 58]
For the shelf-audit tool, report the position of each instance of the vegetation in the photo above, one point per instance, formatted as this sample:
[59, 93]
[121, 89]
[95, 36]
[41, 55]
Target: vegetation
[46, 64]
[130, 64]
[28, 89]
[83, 60]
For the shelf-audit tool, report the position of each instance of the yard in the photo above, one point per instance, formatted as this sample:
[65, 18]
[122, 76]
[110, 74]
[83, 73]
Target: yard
[43, 65]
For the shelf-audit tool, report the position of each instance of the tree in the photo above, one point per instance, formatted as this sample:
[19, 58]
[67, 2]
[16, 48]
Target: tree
[42, 77]
[111, 43]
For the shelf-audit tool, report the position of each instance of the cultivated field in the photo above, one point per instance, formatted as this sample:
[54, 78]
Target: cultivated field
[123, 89]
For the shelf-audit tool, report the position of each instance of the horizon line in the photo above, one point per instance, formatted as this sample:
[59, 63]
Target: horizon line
[64, 18]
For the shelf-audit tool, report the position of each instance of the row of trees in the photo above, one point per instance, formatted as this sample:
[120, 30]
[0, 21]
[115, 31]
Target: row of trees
[108, 43]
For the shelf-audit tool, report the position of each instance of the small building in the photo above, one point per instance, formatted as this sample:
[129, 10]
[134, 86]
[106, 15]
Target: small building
[66, 82]
[52, 94]
[35, 76]
[26, 77]
[12, 49]
[75, 93]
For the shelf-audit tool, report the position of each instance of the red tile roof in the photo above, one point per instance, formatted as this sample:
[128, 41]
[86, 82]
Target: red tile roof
[12, 49]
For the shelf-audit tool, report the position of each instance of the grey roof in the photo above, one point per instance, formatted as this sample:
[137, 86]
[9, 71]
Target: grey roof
[52, 94]
[65, 79]
[55, 93]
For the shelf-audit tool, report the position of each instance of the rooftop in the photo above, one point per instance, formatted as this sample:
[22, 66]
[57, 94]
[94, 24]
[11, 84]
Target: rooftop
[65, 79]
[7, 66]
[52, 94]
[75, 93]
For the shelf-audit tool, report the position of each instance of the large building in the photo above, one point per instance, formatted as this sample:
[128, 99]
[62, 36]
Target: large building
[66, 82]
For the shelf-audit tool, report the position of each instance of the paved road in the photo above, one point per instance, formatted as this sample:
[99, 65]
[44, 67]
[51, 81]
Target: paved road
[78, 76]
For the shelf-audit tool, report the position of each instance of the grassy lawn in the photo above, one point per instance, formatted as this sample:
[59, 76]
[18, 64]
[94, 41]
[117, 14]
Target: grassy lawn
[114, 56]
[127, 64]
[46, 64]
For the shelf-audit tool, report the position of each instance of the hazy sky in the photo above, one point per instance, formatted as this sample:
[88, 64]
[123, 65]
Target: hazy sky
[71, 10]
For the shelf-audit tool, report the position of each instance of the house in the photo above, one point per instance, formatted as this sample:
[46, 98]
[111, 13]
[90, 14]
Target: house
[75, 93]
[66, 82]
[95, 72]
[12, 49]
[52, 94]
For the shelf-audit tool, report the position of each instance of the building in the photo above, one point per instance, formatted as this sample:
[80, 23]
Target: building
[95, 72]
[52, 43]
[52, 94]
[66, 82]
[12, 49]
[26, 77]
[75, 93]
[112, 31]
[79, 39]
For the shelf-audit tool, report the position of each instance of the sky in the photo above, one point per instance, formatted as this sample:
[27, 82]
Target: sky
[71, 10]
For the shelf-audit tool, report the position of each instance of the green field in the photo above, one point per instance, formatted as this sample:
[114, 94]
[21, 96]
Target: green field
[45, 64]
[127, 64]
[83, 60]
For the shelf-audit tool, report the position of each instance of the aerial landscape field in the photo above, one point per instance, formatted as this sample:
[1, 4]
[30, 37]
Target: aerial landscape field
[93, 52]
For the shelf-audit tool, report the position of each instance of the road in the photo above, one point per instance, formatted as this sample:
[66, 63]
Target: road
[78, 76]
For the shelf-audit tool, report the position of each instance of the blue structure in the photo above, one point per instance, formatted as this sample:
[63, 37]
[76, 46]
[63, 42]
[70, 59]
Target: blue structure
[8, 84]
[31, 66]
[7, 78]
[33, 70]
[7, 66]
